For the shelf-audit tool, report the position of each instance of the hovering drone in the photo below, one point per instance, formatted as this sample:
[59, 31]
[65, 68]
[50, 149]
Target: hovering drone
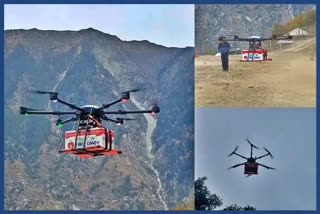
[255, 52]
[91, 138]
[251, 166]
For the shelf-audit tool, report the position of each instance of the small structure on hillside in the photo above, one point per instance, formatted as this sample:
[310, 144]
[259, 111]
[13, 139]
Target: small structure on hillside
[297, 32]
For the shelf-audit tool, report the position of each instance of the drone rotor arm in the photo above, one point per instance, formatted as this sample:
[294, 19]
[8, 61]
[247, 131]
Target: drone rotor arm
[72, 106]
[240, 155]
[54, 97]
[118, 122]
[234, 166]
[261, 156]
[266, 39]
[127, 112]
[24, 110]
[125, 96]
[252, 144]
[233, 40]
[122, 99]
[61, 122]
[243, 39]
[154, 110]
[267, 167]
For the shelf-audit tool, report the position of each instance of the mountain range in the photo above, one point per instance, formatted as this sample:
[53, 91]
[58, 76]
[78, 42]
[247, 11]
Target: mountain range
[244, 20]
[156, 167]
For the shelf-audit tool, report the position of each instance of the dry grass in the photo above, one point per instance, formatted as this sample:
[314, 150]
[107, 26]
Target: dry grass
[287, 81]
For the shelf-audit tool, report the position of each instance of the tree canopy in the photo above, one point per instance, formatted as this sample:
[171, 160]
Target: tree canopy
[306, 19]
[204, 200]
[236, 207]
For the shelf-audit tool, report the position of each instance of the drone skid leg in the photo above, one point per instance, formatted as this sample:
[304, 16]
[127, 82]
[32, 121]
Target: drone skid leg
[91, 151]
[106, 153]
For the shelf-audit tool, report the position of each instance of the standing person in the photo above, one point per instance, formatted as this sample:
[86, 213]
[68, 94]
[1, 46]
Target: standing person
[224, 48]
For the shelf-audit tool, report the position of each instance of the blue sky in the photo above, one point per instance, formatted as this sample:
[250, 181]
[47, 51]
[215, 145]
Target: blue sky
[168, 25]
[288, 133]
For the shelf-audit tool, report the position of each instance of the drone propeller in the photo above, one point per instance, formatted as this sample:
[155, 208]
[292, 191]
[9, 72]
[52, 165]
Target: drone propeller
[269, 153]
[233, 151]
[53, 95]
[24, 110]
[42, 92]
[252, 144]
[135, 90]
[29, 109]
[240, 164]
[268, 167]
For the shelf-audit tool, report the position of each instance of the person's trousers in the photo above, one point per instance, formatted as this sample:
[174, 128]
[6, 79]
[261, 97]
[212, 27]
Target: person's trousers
[225, 61]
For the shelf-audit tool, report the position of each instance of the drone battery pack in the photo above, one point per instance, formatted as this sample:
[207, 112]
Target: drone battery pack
[257, 55]
[97, 138]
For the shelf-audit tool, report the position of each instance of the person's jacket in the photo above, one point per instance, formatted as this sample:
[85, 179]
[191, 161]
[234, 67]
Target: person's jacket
[224, 48]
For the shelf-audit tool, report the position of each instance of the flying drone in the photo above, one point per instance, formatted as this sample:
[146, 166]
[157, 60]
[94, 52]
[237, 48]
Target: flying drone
[251, 166]
[255, 52]
[91, 138]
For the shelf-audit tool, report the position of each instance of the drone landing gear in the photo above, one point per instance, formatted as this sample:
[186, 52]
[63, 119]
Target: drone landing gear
[92, 151]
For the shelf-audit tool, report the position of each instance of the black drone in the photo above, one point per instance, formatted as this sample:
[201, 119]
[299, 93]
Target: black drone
[251, 166]
[255, 47]
[89, 119]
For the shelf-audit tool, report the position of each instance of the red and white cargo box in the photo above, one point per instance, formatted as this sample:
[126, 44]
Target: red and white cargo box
[254, 56]
[99, 141]
[96, 137]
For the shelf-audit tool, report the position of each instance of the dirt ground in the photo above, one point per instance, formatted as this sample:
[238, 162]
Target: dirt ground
[289, 80]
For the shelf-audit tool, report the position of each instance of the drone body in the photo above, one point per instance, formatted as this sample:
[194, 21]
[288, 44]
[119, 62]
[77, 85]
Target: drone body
[255, 52]
[251, 165]
[91, 138]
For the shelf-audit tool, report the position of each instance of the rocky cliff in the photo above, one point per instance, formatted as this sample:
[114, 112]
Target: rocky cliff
[91, 67]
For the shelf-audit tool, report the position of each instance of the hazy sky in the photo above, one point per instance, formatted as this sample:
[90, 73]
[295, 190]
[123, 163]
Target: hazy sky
[289, 133]
[168, 25]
